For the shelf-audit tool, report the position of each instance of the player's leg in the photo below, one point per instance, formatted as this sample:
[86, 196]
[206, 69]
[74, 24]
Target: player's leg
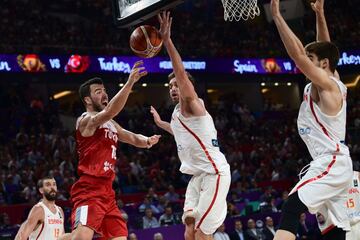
[189, 228]
[113, 225]
[86, 220]
[212, 207]
[82, 233]
[190, 206]
[291, 211]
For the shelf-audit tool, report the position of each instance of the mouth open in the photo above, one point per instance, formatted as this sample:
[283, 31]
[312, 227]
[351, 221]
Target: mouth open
[105, 103]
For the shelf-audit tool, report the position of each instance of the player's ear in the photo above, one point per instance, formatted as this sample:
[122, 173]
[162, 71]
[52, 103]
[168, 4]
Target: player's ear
[41, 190]
[87, 100]
[324, 63]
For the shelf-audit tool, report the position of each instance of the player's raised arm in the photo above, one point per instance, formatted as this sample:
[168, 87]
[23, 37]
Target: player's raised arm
[186, 88]
[160, 123]
[322, 31]
[296, 51]
[89, 123]
[36, 215]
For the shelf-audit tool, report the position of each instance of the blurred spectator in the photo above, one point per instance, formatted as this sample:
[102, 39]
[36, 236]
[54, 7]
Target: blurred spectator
[149, 221]
[171, 195]
[253, 233]
[238, 233]
[168, 218]
[158, 236]
[220, 234]
[132, 236]
[269, 230]
[147, 204]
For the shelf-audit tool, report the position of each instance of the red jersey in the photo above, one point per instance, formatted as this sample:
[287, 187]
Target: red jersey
[97, 153]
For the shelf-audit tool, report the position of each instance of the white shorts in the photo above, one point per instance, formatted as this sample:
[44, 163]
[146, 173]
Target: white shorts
[324, 189]
[205, 200]
[354, 233]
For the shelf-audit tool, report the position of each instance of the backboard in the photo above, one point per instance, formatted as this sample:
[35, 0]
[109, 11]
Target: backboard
[132, 12]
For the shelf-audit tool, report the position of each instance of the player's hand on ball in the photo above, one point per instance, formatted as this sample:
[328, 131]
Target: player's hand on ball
[275, 9]
[137, 72]
[151, 141]
[156, 115]
[165, 25]
[317, 6]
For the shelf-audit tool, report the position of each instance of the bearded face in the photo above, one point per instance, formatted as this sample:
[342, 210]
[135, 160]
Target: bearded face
[49, 189]
[98, 97]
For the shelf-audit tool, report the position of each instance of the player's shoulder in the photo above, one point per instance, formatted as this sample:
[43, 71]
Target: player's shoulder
[37, 211]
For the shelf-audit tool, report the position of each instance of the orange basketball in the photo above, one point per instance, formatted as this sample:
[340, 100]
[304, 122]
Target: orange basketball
[145, 41]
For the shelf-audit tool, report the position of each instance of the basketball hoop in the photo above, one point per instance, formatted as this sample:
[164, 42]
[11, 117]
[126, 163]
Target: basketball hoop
[240, 9]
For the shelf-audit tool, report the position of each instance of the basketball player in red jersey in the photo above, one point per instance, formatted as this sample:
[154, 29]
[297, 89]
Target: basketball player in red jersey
[95, 209]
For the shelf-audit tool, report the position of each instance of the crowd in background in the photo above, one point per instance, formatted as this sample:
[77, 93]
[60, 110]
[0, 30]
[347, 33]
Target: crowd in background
[260, 147]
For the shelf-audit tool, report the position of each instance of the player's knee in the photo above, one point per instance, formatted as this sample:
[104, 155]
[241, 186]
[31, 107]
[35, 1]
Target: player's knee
[202, 236]
[189, 233]
[82, 234]
[291, 211]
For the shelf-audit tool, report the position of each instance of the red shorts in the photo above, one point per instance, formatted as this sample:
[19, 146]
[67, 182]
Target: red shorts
[95, 207]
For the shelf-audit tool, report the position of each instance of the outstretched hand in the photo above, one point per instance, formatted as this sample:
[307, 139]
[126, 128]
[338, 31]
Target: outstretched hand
[317, 6]
[137, 72]
[275, 7]
[165, 25]
[156, 115]
[153, 140]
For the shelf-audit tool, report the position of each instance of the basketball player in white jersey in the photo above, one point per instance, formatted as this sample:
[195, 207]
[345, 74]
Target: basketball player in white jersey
[353, 206]
[198, 149]
[46, 219]
[322, 126]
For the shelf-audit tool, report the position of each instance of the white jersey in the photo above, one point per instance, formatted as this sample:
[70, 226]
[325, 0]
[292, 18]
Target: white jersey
[52, 227]
[197, 144]
[323, 135]
[353, 202]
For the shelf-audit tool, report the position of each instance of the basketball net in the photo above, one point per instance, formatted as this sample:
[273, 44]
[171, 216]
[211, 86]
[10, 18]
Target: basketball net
[240, 9]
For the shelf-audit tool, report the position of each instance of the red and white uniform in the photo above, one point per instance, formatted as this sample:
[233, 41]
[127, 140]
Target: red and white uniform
[324, 186]
[200, 156]
[92, 195]
[52, 227]
[353, 205]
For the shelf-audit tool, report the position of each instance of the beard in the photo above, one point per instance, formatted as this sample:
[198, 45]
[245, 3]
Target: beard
[50, 196]
[97, 107]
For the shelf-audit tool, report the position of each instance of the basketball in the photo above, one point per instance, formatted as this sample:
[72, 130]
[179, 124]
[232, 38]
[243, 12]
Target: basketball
[145, 41]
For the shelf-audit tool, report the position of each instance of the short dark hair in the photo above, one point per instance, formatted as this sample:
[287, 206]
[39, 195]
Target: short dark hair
[84, 89]
[191, 78]
[40, 183]
[325, 50]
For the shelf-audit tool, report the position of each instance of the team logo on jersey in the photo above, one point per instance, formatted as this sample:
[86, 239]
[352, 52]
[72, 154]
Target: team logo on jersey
[215, 142]
[356, 183]
[303, 131]
[179, 148]
[108, 166]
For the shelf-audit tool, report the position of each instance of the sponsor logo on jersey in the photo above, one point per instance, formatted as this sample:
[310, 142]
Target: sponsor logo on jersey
[303, 131]
[179, 147]
[108, 166]
[215, 142]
